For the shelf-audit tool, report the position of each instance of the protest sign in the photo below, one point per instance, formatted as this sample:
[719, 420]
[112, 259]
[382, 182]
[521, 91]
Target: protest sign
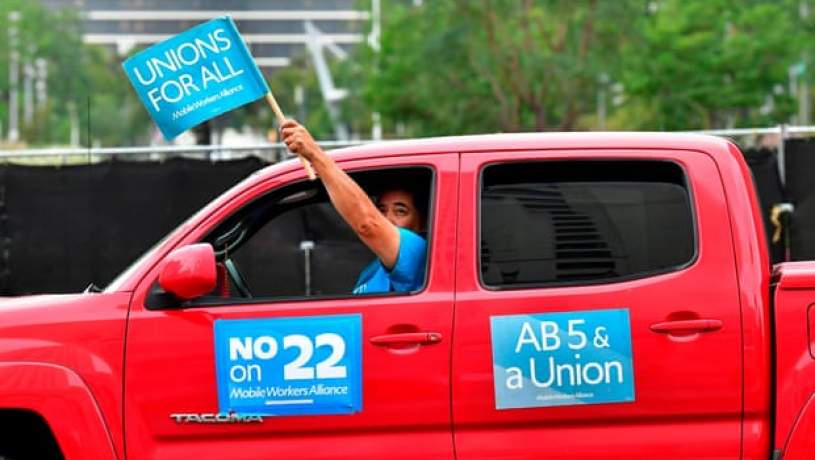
[198, 75]
[562, 358]
[308, 365]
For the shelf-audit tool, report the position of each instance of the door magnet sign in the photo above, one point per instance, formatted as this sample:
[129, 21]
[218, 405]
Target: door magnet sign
[289, 366]
[560, 359]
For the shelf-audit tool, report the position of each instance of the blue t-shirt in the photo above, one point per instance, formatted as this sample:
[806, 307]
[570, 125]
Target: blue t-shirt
[407, 273]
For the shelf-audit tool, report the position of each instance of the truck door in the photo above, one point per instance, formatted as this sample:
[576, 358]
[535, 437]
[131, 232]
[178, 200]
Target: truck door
[597, 311]
[281, 361]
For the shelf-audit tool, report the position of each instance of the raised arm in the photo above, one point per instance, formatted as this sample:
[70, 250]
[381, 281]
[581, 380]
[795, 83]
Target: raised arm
[353, 204]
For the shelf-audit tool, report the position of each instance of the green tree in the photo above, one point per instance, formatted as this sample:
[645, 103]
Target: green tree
[699, 64]
[456, 66]
[85, 87]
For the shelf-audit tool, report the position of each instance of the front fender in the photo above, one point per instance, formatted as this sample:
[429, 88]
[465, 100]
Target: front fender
[60, 397]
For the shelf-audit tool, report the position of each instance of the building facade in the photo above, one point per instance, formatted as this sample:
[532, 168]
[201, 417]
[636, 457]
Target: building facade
[275, 30]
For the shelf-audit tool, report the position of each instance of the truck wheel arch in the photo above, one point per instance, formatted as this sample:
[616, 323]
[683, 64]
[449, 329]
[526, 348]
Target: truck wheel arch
[61, 398]
[25, 434]
[801, 440]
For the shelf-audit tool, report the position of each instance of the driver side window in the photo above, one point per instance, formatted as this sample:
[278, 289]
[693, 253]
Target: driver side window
[291, 243]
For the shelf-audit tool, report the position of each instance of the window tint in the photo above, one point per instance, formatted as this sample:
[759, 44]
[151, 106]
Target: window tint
[292, 243]
[583, 221]
[297, 253]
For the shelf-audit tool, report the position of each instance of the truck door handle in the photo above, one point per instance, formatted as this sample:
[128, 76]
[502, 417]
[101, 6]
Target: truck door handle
[407, 338]
[688, 326]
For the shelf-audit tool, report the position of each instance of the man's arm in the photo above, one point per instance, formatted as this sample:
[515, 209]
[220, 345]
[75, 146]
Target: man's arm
[353, 204]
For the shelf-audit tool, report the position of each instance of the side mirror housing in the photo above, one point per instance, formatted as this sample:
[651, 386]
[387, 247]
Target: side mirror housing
[189, 272]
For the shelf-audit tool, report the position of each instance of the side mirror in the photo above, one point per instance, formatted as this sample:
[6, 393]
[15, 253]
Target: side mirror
[189, 272]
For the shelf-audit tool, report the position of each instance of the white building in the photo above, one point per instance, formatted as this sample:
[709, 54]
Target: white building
[274, 29]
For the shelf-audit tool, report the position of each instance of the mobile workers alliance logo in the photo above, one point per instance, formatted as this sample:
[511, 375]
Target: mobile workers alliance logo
[559, 359]
[289, 366]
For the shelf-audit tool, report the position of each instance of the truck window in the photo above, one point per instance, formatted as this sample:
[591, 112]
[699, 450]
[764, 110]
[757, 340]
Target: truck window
[291, 242]
[582, 222]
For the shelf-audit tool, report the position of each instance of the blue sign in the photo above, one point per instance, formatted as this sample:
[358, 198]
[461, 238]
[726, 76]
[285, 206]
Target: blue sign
[289, 366]
[196, 75]
[562, 359]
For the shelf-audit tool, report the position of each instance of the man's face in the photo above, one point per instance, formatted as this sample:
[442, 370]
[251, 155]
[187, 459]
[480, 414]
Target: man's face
[398, 207]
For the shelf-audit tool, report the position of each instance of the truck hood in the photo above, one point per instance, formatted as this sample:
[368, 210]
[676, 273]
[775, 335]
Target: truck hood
[77, 331]
[65, 311]
[38, 301]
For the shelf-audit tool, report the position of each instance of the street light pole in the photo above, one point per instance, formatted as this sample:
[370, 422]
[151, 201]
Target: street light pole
[14, 77]
[42, 82]
[373, 40]
[29, 75]
[797, 88]
[803, 90]
[602, 81]
[803, 99]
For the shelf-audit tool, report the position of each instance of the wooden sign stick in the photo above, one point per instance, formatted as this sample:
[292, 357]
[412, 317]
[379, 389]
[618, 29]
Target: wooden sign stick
[280, 119]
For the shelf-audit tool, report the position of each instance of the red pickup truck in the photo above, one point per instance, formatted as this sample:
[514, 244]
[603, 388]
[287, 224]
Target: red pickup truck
[586, 296]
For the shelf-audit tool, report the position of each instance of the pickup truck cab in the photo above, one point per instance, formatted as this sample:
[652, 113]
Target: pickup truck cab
[586, 295]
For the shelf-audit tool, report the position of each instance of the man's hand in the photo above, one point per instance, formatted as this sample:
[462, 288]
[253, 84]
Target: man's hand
[299, 140]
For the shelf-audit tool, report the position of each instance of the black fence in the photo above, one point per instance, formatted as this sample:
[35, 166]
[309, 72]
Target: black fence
[800, 190]
[65, 227]
[790, 235]
[62, 228]
[764, 165]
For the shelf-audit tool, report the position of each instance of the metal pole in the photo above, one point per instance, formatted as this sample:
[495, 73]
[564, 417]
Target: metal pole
[803, 101]
[331, 94]
[42, 82]
[793, 89]
[602, 81]
[738, 131]
[73, 116]
[307, 246]
[300, 101]
[782, 168]
[14, 77]
[28, 93]
[376, 30]
[376, 130]
[376, 24]
[166, 150]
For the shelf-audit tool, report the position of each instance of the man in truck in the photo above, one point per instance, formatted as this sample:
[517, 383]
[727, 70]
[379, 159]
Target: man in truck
[390, 228]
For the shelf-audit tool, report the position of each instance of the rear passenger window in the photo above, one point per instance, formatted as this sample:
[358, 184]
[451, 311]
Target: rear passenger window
[581, 222]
